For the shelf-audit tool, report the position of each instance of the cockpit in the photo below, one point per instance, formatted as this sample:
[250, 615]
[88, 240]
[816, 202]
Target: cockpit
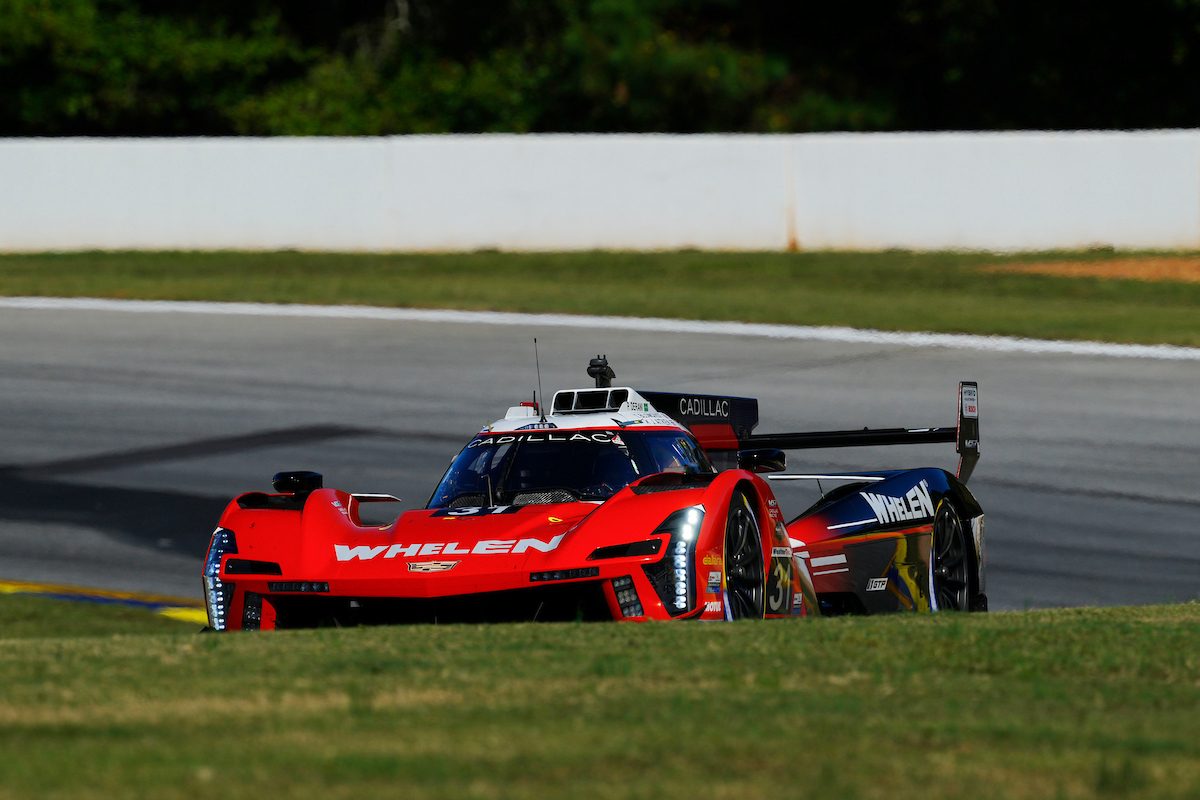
[562, 466]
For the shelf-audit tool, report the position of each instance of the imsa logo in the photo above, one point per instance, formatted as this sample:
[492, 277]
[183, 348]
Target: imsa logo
[915, 504]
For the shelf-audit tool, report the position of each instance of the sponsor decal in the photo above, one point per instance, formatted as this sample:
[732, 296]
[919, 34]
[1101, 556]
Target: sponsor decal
[538, 426]
[364, 552]
[877, 584]
[970, 402]
[713, 585]
[713, 560]
[781, 552]
[603, 437]
[915, 504]
[651, 418]
[798, 604]
[474, 511]
[703, 407]
[712, 606]
[431, 566]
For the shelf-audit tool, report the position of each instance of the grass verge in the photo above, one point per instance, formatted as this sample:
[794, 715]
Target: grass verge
[24, 616]
[946, 292]
[1065, 703]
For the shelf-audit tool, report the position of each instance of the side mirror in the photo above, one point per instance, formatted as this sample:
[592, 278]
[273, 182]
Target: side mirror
[766, 460]
[299, 483]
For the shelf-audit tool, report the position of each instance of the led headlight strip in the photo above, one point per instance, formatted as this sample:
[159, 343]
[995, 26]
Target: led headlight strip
[217, 593]
[673, 578]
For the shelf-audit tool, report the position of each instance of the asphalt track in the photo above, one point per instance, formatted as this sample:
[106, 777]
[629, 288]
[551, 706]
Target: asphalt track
[122, 435]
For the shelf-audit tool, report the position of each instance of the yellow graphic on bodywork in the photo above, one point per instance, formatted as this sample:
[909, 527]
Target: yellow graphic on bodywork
[909, 574]
[807, 590]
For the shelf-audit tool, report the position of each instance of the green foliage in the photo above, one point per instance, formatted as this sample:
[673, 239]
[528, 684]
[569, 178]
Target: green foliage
[422, 66]
[610, 65]
[105, 67]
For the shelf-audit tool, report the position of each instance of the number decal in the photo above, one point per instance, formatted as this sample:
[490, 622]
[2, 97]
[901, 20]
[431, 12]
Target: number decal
[475, 511]
[779, 586]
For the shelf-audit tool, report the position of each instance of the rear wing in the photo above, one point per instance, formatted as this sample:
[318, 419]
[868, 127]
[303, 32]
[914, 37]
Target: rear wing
[964, 435]
[722, 423]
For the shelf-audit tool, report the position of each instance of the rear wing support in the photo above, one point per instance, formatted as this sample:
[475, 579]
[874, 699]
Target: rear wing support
[964, 435]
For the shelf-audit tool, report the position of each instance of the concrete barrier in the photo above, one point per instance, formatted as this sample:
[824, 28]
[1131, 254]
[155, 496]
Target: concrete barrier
[1018, 191]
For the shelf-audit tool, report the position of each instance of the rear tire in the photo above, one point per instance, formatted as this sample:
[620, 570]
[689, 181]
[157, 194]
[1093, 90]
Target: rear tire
[949, 561]
[744, 571]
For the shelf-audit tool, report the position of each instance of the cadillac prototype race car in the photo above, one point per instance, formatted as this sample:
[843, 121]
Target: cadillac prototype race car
[613, 504]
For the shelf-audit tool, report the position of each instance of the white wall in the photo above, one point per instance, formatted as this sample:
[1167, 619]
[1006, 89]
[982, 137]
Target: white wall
[563, 192]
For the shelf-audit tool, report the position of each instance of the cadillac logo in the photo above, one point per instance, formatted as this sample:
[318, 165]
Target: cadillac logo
[430, 566]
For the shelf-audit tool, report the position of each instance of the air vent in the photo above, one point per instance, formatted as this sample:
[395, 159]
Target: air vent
[584, 401]
[246, 566]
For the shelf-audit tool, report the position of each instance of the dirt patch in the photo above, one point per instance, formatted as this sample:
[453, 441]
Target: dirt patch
[1184, 269]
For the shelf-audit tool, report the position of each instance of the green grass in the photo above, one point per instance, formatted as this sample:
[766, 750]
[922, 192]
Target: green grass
[945, 292]
[1068, 704]
[32, 617]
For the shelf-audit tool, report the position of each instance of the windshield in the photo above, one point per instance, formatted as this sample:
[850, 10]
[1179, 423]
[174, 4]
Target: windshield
[561, 466]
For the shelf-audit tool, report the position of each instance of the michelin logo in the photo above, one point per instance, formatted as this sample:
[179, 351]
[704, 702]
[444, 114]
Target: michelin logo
[915, 504]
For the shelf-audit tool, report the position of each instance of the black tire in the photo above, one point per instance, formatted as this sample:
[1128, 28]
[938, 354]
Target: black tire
[744, 571]
[950, 561]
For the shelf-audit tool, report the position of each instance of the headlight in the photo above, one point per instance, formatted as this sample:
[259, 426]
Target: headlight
[217, 593]
[674, 577]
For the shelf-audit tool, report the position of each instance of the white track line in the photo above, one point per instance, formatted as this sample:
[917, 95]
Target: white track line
[995, 344]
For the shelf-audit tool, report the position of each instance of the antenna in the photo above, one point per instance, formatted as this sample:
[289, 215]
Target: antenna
[538, 365]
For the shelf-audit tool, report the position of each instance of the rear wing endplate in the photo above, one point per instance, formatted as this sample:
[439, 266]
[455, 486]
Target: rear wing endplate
[967, 439]
[964, 435]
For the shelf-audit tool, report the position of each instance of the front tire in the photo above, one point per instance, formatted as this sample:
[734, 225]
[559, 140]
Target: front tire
[949, 561]
[744, 573]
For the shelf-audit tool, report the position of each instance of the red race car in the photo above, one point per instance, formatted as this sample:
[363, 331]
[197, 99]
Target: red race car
[612, 504]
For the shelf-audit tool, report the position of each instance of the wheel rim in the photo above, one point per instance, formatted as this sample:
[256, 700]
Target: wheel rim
[949, 564]
[743, 562]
